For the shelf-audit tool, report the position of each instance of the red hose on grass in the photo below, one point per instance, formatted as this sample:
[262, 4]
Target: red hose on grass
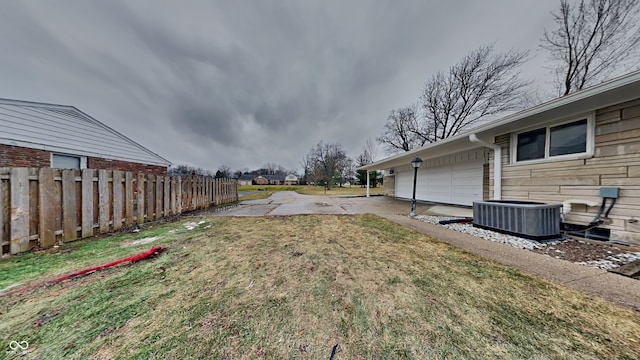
[147, 254]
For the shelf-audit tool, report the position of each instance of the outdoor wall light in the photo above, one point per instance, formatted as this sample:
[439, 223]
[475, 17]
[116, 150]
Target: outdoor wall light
[415, 163]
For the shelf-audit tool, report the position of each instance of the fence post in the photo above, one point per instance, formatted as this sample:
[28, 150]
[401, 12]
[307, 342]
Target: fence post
[118, 199]
[167, 193]
[128, 190]
[140, 197]
[159, 197]
[180, 194]
[150, 198]
[19, 183]
[2, 242]
[103, 201]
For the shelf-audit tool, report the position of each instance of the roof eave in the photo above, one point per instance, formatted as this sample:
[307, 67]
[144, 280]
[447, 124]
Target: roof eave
[621, 89]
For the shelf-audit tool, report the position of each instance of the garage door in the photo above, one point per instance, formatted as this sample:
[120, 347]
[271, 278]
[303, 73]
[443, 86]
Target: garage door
[451, 180]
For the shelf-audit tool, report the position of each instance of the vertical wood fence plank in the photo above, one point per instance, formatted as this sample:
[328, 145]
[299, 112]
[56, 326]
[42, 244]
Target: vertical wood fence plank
[173, 196]
[159, 198]
[103, 201]
[180, 195]
[128, 191]
[211, 192]
[118, 199]
[47, 225]
[187, 189]
[87, 202]
[167, 196]
[150, 197]
[2, 197]
[218, 191]
[199, 191]
[69, 207]
[19, 182]
[140, 194]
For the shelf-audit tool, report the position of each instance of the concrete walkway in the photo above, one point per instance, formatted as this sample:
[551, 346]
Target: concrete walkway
[595, 282]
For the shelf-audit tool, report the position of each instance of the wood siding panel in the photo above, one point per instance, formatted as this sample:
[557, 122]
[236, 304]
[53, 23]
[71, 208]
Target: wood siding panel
[619, 149]
[559, 180]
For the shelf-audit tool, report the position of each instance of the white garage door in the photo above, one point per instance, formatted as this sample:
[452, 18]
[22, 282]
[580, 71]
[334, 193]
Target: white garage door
[451, 180]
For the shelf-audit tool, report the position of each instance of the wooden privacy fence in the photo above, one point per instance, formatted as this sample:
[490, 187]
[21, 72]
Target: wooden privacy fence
[46, 206]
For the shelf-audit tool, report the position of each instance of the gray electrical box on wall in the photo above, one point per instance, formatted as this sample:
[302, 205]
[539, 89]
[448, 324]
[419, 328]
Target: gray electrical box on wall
[610, 192]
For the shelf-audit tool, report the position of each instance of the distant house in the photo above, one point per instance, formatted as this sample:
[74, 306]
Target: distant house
[246, 179]
[275, 179]
[291, 180]
[260, 180]
[61, 136]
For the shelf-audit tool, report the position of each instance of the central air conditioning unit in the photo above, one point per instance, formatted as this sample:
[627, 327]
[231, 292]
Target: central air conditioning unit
[527, 219]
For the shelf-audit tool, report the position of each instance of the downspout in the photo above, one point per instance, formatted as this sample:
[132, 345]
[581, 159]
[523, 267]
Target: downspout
[497, 164]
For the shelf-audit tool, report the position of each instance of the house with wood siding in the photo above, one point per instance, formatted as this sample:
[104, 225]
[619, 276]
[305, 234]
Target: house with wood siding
[571, 150]
[41, 135]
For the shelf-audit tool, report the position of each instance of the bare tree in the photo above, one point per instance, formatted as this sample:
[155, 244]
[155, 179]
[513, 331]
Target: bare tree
[401, 131]
[484, 84]
[371, 147]
[184, 170]
[274, 169]
[326, 161]
[224, 171]
[593, 39]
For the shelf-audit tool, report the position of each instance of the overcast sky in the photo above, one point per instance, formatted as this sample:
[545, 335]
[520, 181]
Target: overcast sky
[245, 83]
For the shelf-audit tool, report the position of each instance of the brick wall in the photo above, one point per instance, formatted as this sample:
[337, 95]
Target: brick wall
[100, 163]
[16, 156]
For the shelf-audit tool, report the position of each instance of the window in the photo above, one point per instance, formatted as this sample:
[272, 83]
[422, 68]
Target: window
[567, 139]
[60, 161]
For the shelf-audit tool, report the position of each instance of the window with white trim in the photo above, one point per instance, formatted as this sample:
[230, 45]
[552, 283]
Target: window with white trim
[63, 161]
[570, 139]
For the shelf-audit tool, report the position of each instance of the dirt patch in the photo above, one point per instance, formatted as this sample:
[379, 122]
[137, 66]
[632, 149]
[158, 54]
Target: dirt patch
[578, 251]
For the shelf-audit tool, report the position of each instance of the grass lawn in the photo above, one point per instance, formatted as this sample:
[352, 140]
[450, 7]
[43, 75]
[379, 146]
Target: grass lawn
[293, 287]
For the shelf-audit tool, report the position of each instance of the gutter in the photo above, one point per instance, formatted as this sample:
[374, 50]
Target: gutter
[497, 164]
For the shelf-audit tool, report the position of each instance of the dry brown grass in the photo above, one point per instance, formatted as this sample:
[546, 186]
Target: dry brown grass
[292, 287]
[347, 190]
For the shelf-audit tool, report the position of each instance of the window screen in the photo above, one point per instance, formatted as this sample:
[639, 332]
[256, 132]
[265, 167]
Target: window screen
[531, 145]
[65, 162]
[568, 138]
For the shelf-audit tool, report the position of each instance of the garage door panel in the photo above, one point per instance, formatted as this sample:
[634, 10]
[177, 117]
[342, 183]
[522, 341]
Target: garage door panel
[458, 183]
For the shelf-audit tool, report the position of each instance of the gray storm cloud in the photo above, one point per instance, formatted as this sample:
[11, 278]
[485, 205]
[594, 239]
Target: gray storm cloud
[243, 83]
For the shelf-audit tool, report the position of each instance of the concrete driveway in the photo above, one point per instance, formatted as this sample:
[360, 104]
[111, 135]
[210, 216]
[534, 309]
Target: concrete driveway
[292, 203]
[287, 203]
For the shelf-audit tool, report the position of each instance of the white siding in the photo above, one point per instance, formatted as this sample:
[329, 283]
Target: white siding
[65, 129]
